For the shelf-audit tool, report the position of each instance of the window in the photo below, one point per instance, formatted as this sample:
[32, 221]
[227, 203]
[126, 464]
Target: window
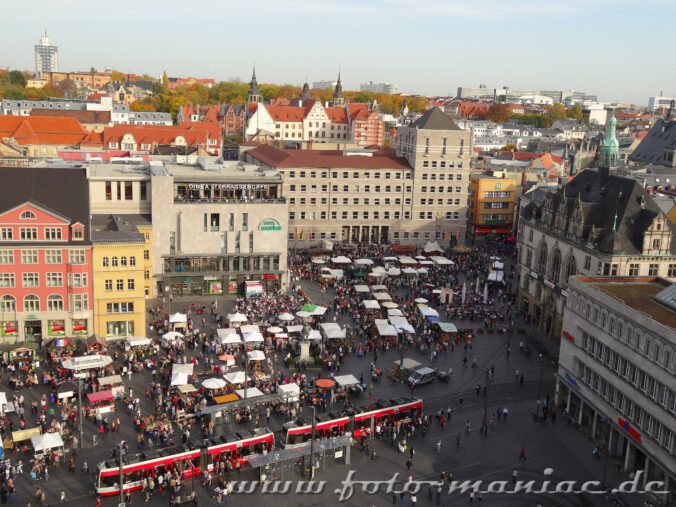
[130, 284]
[215, 222]
[115, 262]
[119, 285]
[28, 215]
[123, 261]
[28, 233]
[144, 190]
[6, 233]
[31, 303]
[55, 303]
[127, 191]
[109, 191]
[633, 269]
[79, 302]
[653, 269]
[52, 233]
[77, 233]
[146, 275]
[587, 261]
[7, 302]
[245, 221]
[6, 257]
[108, 285]
[132, 261]
[76, 256]
[54, 279]
[29, 256]
[7, 280]
[656, 244]
[146, 255]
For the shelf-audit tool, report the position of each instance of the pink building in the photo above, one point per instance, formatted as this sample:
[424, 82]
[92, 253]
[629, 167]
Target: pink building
[45, 255]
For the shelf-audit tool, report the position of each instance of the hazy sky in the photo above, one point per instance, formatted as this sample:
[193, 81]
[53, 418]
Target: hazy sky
[618, 49]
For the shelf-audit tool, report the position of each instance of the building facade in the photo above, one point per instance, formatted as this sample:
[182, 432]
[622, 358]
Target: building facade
[616, 371]
[45, 255]
[118, 277]
[362, 196]
[492, 203]
[215, 226]
[46, 56]
[372, 87]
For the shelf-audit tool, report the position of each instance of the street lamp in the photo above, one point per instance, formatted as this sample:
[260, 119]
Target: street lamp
[312, 444]
[484, 428]
[537, 407]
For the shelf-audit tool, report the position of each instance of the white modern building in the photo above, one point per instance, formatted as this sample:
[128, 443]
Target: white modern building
[324, 85]
[655, 103]
[617, 366]
[46, 56]
[379, 87]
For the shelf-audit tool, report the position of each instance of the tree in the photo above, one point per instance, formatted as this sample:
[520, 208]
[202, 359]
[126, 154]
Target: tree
[362, 97]
[499, 113]
[556, 112]
[16, 77]
[508, 147]
[165, 81]
[117, 77]
[142, 105]
[67, 86]
[575, 112]
[13, 93]
[92, 70]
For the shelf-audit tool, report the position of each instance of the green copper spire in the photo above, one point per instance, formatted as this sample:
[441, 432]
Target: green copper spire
[610, 149]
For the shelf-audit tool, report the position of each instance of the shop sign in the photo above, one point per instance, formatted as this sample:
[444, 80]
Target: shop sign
[533, 274]
[564, 293]
[56, 327]
[9, 328]
[549, 284]
[32, 317]
[225, 186]
[215, 287]
[571, 380]
[253, 288]
[232, 287]
[80, 327]
[269, 224]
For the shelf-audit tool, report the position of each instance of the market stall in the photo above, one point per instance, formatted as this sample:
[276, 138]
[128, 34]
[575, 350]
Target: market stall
[178, 321]
[19, 440]
[47, 443]
[228, 336]
[290, 392]
[96, 344]
[113, 383]
[59, 349]
[251, 392]
[100, 402]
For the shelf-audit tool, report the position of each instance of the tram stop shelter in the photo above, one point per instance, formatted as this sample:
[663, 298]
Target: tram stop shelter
[326, 452]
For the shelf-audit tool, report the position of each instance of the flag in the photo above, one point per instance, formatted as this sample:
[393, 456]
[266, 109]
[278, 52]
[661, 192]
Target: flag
[302, 235]
[443, 234]
[295, 235]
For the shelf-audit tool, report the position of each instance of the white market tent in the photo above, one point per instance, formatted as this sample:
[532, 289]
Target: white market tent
[303, 314]
[83, 363]
[394, 272]
[376, 288]
[319, 310]
[187, 388]
[227, 336]
[390, 304]
[496, 276]
[362, 288]
[427, 311]
[432, 246]
[420, 300]
[378, 274]
[179, 379]
[314, 334]
[498, 265]
[294, 329]
[390, 259]
[427, 263]
[371, 304]
[251, 328]
[442, 261]
[395, 312]
[408, 364]
[47, 441]
[253, 338]
[186, 368]
[382, 296]
[274, 329]
[332, 330]
[385, 328]
[409, 271]
[256, 355]
[400, 323]
[178, 318]
[251, 392]
[290, 391]
[404, 259]
[364, 262]
[346, 380]
[341, 259]
[138, 341]
[422, 271]
[318, 261]
[237, 317]
[286, 316]
[235, 377]
[172, 336]
[213, 383]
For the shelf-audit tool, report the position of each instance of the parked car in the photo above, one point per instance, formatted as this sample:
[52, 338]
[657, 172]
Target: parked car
[422, 376]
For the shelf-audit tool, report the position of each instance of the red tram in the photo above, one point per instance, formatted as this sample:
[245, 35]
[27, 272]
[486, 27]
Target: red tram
[357, 421]
[188, 459]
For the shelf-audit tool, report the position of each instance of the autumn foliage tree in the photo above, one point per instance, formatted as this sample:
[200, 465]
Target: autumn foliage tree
[499, 113]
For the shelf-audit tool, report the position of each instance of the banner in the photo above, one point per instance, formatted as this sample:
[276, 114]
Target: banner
[56, 327]
[80, 327]
[215, 287]
[9, 328]
[232, 287]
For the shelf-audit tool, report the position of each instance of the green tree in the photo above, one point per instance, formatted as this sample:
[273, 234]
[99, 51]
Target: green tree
[575, 112]
[165, 81]
[16, 77]
[362, 97]
[117, 77]
[499, 113]
[92, 70]
[556, 112]
[142, 105]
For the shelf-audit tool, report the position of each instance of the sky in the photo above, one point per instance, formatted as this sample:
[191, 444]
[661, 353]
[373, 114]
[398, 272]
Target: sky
[621, 50]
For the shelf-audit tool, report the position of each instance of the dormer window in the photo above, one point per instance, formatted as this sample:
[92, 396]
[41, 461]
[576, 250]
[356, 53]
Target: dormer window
[28, 215]
[77, 232]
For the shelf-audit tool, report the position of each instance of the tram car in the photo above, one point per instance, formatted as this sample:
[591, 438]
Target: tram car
[189, 459]
[358, 422]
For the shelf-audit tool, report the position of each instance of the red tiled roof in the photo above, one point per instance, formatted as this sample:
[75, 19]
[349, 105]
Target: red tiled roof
[277, 158]
[93, 139]
[337, 114]
[42, 129]
[280, 101]
[286, 113]
[193, 132]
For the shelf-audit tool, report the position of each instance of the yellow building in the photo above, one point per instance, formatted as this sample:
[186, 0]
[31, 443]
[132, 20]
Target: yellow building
[492, 201]
[146, 229]
[119, 266]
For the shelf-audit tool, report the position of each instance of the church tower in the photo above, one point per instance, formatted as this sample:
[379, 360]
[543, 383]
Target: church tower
[610, 149]
[305, 95]
[254, 96]
[338, 99]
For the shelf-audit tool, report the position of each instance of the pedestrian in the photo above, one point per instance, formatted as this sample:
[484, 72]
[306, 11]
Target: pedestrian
[516, 375]
[468, 426]
[62, 499]
[439, 447]
[514, 474]
[411, 453]
[438, 495]
[505, 413]
[409, 464]
[522, 454]
[414, 500]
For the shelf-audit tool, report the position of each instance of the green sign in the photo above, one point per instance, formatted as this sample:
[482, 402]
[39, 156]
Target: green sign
[269, 224]
[31, 317]
[8, 328]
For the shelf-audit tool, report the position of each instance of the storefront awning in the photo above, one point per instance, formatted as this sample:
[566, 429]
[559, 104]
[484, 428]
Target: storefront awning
[98, 396]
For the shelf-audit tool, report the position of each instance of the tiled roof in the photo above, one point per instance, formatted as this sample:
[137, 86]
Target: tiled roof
[337, 114]
[274, 157]
[194, 133]
[662, 136]
[93, 139]
[42, 129]
[81, 116]
[286, 113]
[435, 119]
